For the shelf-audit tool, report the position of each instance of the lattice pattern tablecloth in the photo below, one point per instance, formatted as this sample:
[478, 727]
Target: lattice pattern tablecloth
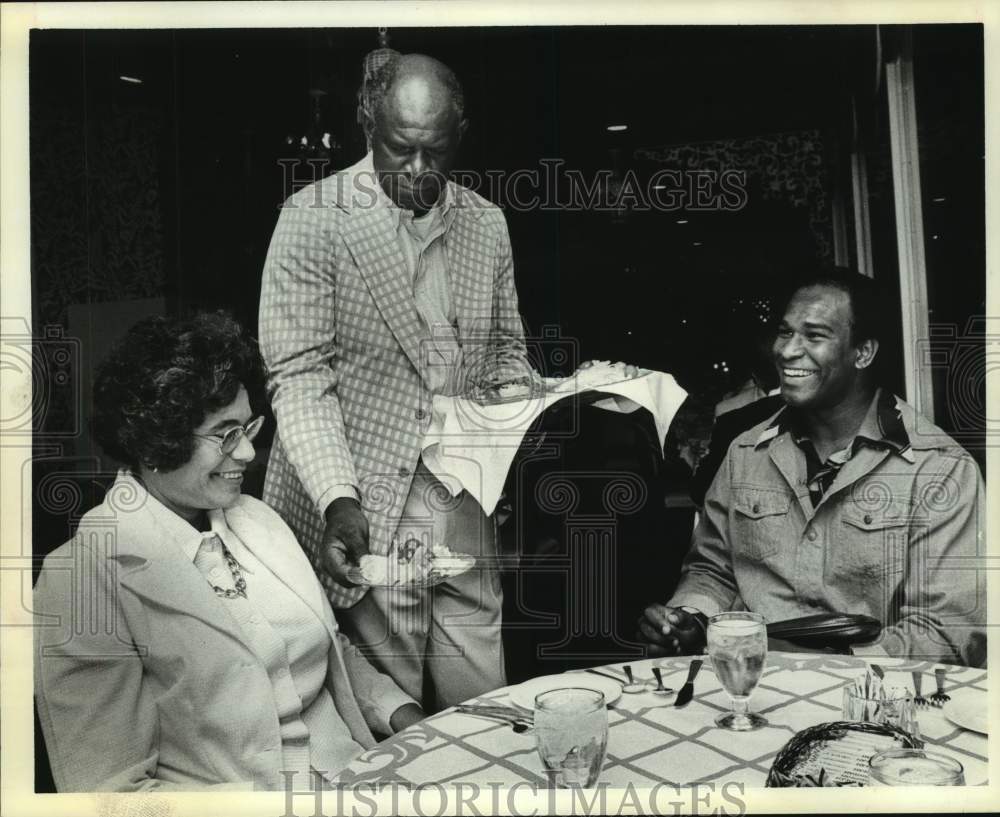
[650, 742]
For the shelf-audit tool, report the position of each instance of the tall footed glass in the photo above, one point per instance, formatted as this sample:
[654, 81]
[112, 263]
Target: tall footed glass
[737, 645]
[571, 731]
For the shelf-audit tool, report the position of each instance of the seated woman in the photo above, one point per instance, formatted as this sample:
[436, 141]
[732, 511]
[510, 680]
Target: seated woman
[185, 641]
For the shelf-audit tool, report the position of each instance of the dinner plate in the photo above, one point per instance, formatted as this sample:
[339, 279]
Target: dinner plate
[580, 383]
[523, 695]
[441, 570]
[486, 400]
[969, 709]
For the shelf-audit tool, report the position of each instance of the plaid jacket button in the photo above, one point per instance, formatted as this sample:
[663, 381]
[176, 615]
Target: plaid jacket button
[420, 414]
[404, 472]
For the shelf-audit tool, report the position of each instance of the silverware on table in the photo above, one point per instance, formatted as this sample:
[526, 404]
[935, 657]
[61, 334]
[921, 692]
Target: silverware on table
[632, 686]
[518, 722]
[517, 726]
[660, 689]
[918, 698]
[687, 691]
[593, 671]
[496, 709]
[878, 671]
[940, 698]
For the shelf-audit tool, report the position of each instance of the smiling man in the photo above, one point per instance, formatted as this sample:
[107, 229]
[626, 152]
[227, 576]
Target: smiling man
[386, 284]
[845, 501]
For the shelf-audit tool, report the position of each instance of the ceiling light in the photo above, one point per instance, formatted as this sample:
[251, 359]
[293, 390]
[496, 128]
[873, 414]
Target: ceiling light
[698, 244]
[938, 199]
[682, 221]
[616, 128]
[133, 80]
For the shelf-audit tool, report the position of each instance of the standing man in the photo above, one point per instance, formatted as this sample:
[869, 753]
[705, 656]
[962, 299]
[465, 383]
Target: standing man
[384, 285]
[844, 501]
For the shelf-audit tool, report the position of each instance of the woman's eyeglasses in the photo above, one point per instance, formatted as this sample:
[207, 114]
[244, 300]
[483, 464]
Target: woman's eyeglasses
[231, 439]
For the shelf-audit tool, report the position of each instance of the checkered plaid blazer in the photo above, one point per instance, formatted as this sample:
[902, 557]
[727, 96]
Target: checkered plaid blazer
[340, 334]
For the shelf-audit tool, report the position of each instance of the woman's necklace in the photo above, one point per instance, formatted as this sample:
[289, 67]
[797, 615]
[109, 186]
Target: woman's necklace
[238, 580]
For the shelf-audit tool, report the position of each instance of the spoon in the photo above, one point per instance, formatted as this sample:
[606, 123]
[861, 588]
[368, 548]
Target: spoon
[632, 685]
[660, 689]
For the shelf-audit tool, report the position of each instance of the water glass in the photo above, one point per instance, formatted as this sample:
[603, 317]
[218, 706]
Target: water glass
[895, 709]
[571, 732]
[737, 645]
[914, 767]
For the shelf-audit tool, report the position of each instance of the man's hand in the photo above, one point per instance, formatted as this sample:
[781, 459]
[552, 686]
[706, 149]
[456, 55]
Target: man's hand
[406, 715]
[345, 539]
[672, 631]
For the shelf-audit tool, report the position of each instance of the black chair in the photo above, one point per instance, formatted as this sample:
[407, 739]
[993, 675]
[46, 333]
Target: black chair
[592, 539]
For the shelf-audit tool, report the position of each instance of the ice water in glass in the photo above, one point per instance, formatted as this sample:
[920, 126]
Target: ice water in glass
[571, 732]
[737, 645]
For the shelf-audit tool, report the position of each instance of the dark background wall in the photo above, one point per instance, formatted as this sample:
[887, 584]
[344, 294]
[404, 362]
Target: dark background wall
[162, 195]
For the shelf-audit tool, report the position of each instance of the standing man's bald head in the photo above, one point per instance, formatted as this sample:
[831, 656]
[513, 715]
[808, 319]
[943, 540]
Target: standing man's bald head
[415, 121]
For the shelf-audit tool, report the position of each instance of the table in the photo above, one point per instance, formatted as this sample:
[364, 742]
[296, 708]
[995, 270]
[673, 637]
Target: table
[650, 743]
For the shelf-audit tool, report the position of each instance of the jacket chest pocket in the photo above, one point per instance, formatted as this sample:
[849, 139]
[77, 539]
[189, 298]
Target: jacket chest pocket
[875, 539]
[760, 522]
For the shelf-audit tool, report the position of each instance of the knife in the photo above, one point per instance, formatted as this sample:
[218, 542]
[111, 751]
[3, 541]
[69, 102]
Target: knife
[518, 724]
[687, 691]
[605, 674]
[502, 711]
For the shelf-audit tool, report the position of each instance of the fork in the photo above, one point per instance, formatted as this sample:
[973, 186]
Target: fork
[918, 699]
[940, 698]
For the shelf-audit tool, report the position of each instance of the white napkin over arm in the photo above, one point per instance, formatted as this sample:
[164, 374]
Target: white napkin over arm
[471, 446]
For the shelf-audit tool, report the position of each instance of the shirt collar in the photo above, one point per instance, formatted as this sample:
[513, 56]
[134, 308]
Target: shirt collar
[187, 537]
[445, 205]
[882, 425]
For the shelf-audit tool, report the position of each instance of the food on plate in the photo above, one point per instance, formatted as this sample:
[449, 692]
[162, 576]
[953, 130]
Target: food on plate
[599, 373]
[426, 565]
[517, 388]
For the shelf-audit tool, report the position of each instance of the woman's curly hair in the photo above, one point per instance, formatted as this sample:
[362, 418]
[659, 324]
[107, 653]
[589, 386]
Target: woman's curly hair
[162, 379]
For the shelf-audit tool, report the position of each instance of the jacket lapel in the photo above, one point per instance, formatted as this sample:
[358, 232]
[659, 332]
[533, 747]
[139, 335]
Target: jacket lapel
[470, 273]
[152, 565]
[784, 454]
[285, 559]
[371, 240]
[861, 463]
[282, 556]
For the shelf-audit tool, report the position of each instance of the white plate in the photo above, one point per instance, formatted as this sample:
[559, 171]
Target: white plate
[580, 382]
[969, 709]
[440, 570]
[523, 695]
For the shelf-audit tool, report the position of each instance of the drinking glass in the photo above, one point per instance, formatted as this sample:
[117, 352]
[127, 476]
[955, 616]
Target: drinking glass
[571, 732]
[914, 767]
[737, 645]
[896, 708]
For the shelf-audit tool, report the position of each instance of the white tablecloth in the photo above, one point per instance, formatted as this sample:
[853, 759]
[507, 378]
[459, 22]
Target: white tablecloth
[650, 742]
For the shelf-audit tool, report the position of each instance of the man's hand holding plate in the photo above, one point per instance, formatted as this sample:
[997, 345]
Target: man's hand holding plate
[345, 538]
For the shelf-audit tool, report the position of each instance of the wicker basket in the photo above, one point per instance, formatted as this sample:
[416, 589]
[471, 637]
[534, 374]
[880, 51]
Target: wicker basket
[806, 743]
